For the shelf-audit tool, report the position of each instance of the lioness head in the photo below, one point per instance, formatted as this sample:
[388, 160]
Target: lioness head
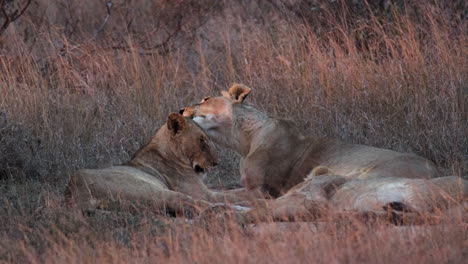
[190, 141]
[215, 114]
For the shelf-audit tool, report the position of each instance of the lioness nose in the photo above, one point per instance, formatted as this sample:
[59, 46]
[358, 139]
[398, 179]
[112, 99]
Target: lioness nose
[181, 111]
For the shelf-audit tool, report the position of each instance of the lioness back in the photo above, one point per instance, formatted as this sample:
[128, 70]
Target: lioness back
[418, 195]
[339, 158]
[360, 161]
[95, 187]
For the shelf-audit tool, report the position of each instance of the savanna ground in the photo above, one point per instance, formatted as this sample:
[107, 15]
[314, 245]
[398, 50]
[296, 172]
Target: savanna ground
[82, 85]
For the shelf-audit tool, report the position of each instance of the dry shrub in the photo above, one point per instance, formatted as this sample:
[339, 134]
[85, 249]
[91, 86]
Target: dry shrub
[73, 95]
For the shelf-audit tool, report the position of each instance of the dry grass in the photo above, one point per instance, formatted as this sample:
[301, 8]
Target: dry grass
[71, 99]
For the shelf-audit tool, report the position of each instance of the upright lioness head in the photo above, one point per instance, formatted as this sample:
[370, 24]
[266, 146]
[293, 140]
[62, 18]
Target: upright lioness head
[216, 115]
[181, 141]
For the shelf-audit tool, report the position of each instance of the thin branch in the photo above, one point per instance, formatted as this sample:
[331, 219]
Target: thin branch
[7, 18]
[22, 10]
[109, 8]
[146, 52]
[11, 18]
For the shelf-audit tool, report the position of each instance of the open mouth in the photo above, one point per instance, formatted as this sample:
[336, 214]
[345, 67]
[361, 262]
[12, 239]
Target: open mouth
[199, 169]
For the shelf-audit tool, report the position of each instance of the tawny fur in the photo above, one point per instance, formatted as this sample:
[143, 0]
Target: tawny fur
[165, 174]
[320, 196]
[276, 155]
[320, 170]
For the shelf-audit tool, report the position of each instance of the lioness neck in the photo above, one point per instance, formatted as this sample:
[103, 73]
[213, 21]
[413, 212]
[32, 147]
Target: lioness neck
[246, 124]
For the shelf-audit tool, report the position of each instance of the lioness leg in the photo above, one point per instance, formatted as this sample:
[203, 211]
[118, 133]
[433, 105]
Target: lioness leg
[307, 200]
[93, 189]
[252, 174]
[163, 200]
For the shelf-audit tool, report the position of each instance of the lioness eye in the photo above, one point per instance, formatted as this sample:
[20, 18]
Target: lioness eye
[206, 99]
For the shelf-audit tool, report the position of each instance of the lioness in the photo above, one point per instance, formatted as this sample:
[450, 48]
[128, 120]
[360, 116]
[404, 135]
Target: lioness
[276, 155]
[164, 174]
[317, 196]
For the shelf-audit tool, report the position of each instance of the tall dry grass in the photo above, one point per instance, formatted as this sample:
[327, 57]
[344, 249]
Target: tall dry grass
[73, 97]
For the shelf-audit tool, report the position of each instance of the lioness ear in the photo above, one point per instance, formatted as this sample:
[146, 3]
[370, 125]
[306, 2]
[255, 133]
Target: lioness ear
[176, 123]
[237, 92]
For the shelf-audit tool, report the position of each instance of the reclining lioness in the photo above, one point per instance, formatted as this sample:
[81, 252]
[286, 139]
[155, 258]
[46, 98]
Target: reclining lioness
[320, 196]
[276, 155]
[165, 174]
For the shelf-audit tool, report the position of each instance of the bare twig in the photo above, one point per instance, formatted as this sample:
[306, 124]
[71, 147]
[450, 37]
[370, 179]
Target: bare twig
[146, 52]
[9, 18]
[22, 11]
[109, 8]
[163, 47]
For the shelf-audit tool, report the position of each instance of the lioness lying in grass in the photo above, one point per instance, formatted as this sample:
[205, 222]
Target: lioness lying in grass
[277, 158]
[393, 198]
[276, 155]
[165, 174]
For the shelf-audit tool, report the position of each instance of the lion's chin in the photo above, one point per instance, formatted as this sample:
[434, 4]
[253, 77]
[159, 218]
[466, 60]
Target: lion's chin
[205, 122]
